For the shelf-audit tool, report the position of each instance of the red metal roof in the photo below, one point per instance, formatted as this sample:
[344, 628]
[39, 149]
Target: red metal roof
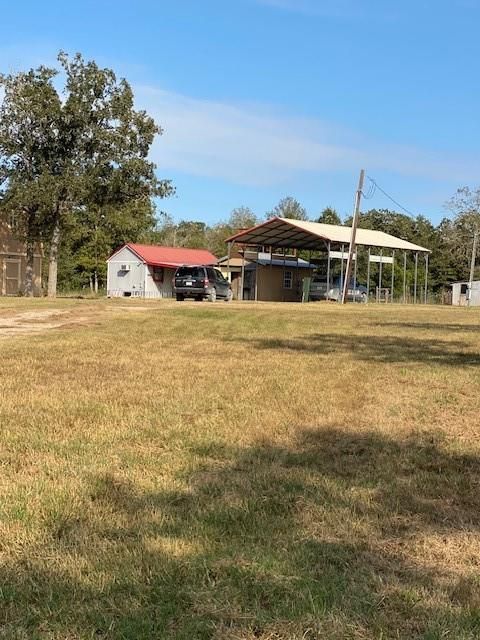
[157, 256]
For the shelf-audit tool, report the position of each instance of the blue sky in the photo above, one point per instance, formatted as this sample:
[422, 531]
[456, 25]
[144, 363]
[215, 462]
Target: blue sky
[260, 99]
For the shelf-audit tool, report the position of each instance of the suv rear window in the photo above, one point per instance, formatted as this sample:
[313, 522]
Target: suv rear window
[192, 272]
[218, 275]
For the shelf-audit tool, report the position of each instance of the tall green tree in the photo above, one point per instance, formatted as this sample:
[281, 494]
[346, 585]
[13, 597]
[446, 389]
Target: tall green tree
[216, 237]
[329, 216]
[92, 147]
[163, 231]
[241, 218]
[289, 208]
[465, 206]
[29, 111]
[191, 234]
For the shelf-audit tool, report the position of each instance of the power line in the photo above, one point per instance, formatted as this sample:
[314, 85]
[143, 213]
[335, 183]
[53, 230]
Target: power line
[371, 191]
[377, 186]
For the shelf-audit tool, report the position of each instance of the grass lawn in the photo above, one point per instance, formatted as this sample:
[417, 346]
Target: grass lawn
[196, 471]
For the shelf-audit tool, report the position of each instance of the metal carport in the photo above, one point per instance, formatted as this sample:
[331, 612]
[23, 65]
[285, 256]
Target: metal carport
[287, 233]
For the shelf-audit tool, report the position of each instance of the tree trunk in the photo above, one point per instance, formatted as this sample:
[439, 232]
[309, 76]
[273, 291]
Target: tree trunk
[95, 276]
[90, 282]
[53, 259]
[28, 284]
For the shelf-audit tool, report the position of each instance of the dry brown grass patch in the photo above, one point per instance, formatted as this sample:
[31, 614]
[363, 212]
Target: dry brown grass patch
[239, 471]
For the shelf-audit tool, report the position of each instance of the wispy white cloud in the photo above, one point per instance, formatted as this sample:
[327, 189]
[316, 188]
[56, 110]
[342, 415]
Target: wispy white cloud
[252, 144]
[255, 145]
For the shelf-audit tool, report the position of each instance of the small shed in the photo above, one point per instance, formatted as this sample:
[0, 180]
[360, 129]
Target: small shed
[13, 264]
[266, 276]
[461, 294]
[147, 271]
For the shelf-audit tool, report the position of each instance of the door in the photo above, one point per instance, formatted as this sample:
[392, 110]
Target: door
[249, 285]
[12, 276]
[222, 284]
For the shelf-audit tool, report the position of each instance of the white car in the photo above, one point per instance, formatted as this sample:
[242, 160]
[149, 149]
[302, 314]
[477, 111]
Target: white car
[357, 294]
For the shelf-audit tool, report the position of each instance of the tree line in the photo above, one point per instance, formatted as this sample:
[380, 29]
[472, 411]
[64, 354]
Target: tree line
[75, 175]
[450, 241]
[74, 168]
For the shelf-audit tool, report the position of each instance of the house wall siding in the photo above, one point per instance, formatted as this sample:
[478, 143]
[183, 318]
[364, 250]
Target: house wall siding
[139, 280]
[159, 289]
[270, 284]
[130, 282]
[456, 297]
[475, 296]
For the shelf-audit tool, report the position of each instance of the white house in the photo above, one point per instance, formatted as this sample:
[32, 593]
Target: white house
[147, 271]
[461, 294]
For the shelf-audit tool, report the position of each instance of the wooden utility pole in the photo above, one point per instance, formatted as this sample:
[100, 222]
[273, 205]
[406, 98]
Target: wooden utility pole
[351, 251]
[472, 266]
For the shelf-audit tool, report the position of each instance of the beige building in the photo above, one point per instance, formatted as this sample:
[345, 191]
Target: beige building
[266, 276]
[13, 262]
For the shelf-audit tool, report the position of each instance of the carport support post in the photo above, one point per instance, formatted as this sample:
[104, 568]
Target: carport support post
[229, 253]
[328, 270]
[296, 277]
[380, 276]
[355, 276]
[341, 276]
[393, 275]
[415, 279]
[368, 274]
[243, 273]
[404, 277]
[256, 278]
[472, 267]
[426, 276]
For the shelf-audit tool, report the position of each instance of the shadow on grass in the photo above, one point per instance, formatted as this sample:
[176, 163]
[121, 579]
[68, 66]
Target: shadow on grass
[433, 326]
[311, 540]
[376, 348]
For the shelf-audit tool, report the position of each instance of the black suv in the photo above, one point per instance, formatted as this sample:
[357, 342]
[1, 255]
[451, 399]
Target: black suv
[201, 282]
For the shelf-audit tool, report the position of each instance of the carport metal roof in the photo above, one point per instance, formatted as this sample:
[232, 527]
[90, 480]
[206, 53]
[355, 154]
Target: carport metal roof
[300, 234]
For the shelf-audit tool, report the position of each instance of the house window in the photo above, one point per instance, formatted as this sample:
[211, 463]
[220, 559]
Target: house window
[287, 279]
[463, 289]
[158, 274]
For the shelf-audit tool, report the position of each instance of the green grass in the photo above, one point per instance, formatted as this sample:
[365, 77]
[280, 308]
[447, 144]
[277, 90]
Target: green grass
[197, 471]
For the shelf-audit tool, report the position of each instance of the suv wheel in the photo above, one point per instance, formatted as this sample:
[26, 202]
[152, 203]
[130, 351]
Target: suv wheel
[229, 296]
[180, 297]
[212, 295]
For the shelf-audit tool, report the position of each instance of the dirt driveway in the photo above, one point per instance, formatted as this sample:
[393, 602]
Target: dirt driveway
[17, 322]
[33, 321]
